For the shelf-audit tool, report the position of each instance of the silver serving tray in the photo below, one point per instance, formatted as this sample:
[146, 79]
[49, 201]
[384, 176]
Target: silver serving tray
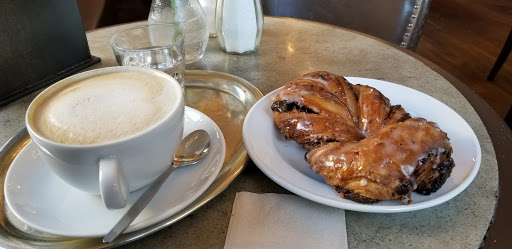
[223, 97]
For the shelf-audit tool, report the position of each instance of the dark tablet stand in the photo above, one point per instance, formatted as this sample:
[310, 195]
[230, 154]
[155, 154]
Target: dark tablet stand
[41, 42]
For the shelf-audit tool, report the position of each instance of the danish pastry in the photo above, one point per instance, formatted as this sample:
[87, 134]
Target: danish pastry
[365, 148]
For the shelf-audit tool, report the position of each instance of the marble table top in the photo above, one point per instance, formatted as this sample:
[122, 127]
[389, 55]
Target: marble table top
[289, 48]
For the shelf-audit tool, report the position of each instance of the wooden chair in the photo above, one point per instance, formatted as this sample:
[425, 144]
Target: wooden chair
[502, 57]
[396, 21]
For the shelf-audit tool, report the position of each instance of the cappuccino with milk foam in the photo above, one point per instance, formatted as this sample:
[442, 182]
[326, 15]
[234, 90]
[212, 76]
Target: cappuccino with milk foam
[103, 108]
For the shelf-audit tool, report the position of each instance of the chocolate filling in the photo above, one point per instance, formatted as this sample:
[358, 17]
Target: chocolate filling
[288, 106]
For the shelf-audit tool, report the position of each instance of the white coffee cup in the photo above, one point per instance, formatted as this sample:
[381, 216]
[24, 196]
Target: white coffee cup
[108, 131]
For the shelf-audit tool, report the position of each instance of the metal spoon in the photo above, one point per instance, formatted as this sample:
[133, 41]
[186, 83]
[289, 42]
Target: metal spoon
[192, 149]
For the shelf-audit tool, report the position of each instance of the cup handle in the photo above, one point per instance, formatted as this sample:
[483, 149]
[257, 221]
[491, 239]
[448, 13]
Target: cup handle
[112, 183]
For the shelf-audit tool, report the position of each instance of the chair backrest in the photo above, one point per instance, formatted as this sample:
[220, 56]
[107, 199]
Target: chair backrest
[397, 21]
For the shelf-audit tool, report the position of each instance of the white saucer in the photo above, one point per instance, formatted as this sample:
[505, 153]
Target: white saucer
[283, 161]
[44, 202]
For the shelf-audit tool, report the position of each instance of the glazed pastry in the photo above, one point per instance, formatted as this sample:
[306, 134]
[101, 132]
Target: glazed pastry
[322, 107]
[365, 148]
[390, 164]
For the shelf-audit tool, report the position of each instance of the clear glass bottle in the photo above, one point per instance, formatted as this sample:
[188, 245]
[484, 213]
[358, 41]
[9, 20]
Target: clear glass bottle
[239, 25]
[190, 17]
[209, 11]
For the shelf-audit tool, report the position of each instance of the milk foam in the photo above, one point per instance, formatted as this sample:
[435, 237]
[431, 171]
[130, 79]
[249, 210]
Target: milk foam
[104, 108]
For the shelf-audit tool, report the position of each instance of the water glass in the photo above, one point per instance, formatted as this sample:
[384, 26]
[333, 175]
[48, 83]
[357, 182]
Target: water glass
[157, 46]
[189, 16]
[209, 10]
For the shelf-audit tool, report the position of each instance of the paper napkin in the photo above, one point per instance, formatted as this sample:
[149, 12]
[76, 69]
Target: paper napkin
[284, 221]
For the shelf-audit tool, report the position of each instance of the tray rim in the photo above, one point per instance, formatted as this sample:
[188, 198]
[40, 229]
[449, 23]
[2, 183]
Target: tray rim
[11, 236]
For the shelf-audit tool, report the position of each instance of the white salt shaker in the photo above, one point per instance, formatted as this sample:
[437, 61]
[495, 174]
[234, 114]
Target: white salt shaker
[239, 25]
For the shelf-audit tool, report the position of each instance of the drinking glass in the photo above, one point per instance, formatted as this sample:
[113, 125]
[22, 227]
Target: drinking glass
[209, 10]
[157, 46]
[190, 17]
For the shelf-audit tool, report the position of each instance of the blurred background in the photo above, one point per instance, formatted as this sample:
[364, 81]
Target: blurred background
[464, 37]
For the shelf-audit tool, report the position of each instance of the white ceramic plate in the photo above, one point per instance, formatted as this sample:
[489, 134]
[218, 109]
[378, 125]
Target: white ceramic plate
[283, 161]
[44, 202]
